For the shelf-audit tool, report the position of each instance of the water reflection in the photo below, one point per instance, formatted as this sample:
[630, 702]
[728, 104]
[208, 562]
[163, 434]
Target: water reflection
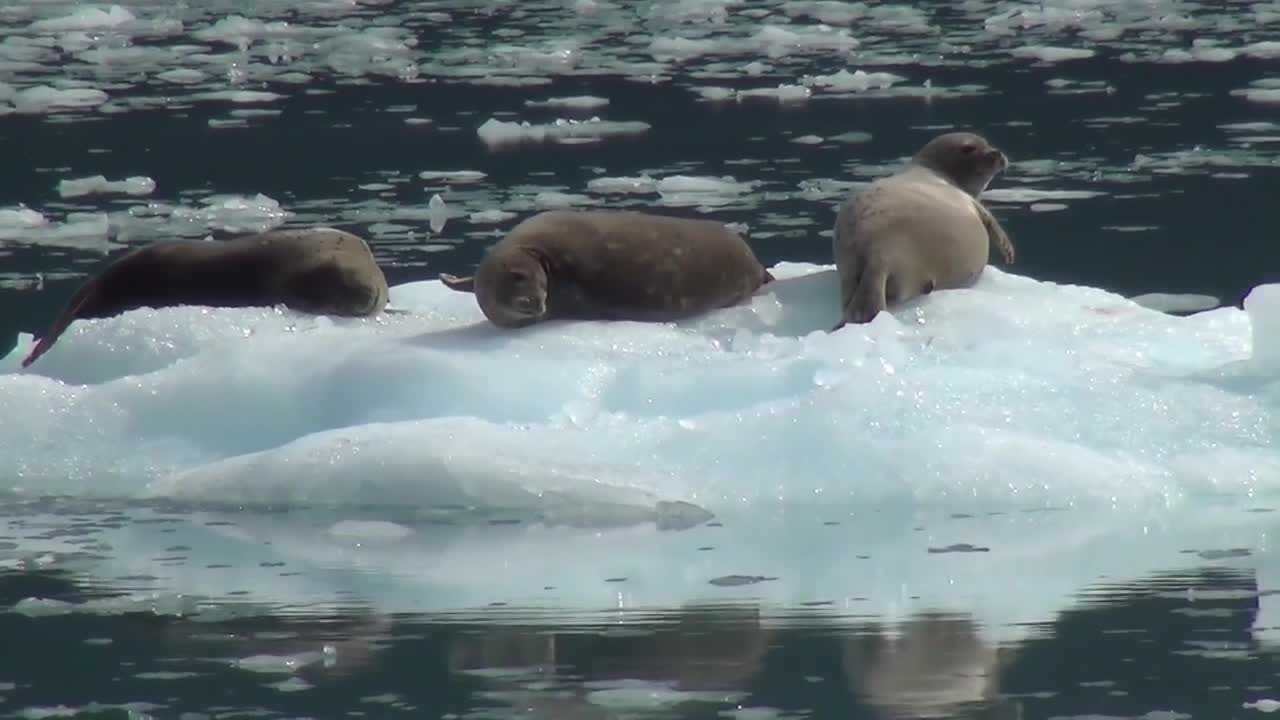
[932, 665]
[1167, 646]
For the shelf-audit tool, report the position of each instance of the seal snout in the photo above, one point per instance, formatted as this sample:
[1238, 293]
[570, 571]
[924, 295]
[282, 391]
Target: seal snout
[997, 158]
[526, 305]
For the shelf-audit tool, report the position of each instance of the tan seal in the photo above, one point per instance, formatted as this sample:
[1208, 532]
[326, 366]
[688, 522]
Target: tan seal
[320, 271]
[611, 265]
[920, 229]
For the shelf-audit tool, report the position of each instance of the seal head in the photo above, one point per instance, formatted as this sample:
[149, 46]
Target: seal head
[964, 158]
[511, 287]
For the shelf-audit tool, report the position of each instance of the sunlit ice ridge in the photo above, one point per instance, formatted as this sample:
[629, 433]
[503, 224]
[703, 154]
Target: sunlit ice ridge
[974, 436]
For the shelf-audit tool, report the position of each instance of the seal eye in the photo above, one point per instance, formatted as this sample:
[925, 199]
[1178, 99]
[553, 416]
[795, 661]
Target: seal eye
[967, 149]
[519, 275]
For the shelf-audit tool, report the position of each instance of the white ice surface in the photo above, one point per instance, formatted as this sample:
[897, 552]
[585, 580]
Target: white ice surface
[1056, 426]
[1015, 392]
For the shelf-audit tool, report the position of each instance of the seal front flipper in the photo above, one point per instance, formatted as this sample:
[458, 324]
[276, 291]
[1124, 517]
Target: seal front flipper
[999, 239]
[460, 284]
[568, 300]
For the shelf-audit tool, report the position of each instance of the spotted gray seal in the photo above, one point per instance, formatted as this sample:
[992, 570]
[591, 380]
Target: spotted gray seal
[611, 265]
[920, 229]
[321, 271]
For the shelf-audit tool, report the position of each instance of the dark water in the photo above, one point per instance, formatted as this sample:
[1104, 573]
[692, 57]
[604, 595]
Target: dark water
[1175, 646]
[1184, 194]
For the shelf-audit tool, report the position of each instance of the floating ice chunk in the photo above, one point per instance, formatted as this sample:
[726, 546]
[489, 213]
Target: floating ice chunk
[1045, 53]
[629, 697]
[240, 96]
[556, 57]
[575, 102]
[285, 663]
[79, 230]
[1177, 302]
[1214, 54]
[827, 11]
[683, 48]
[98, 184]
[639, 184]
[154, 603]
[1262, 305]
[182, 76]
[782, 93]
[826, 188]
[701, 190]
[1260, 94]
[1267, 49]
[859, 80]
[716, 93]
[242, 32]
[15, 221]
[776, 40]
[1266, 705]
[1260, 126]
[496, 132]
[701, 183]
[233, 213]
[379, 50]
[43, 98]
[453, 176]
[556, 200]
[1027, 195]
[490, 216]
[90, 18]
[852, 137]
[437, 213]
[369, 530]
[807, 139]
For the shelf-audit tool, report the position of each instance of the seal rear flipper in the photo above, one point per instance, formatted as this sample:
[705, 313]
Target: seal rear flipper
[460, 284]
[41, 347]
[868, 296]
[996, 235]
[78, 302]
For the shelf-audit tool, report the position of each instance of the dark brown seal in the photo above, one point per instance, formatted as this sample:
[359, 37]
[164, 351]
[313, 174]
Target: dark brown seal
[320, 271]
[920, 229]
[612, 265]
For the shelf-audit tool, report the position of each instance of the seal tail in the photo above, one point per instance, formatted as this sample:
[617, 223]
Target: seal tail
[868, 295]
[68, 316]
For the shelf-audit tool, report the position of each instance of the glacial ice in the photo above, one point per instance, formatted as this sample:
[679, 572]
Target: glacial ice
[1013, 393]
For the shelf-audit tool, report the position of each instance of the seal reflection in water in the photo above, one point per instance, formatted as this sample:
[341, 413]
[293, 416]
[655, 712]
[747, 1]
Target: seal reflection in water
[321, 271]
[611, 265]
[918, 230]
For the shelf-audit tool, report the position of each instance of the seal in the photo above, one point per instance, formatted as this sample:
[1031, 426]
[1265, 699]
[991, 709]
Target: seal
[920, 229]
[611, 265]
[319, 271]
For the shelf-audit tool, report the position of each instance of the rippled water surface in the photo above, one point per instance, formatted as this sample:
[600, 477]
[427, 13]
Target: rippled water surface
[1145, 139]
